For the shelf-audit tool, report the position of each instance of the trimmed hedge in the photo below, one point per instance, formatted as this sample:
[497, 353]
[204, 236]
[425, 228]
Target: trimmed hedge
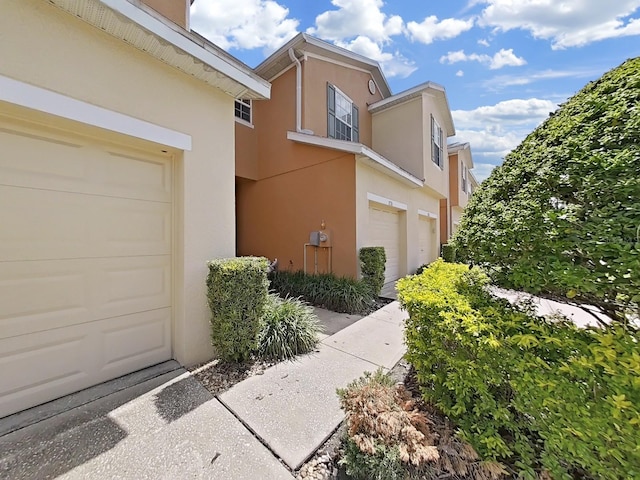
[448, 252]
[542, 396]
[340, 294]
[237, 290]
[372, 264]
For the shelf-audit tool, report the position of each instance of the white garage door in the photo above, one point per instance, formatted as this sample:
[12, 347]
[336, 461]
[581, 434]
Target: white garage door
[85, 264]
[426, 240]
[384, 231]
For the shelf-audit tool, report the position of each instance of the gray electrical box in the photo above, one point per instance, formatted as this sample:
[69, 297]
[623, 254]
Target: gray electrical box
[314, 239]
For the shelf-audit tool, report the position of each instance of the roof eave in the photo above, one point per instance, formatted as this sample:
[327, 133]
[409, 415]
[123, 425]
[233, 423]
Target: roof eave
[149, 32]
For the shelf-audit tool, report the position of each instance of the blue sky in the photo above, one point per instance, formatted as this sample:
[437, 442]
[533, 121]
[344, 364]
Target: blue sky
[505, 64]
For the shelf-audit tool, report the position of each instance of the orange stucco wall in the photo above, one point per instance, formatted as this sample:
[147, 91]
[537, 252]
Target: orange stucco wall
[353, 83]
[275, 215]
[175, 10]
[284, 189]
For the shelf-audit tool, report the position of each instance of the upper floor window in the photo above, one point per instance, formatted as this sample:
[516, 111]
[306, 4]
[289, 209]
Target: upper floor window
[437, 151]
[342, 122]
[243, 109]
[465, 176]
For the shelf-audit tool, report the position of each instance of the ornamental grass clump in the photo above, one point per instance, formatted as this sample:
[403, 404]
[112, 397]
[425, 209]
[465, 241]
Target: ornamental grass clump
[288, 328]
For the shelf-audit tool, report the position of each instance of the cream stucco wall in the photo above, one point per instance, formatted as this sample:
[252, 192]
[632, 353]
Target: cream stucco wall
[371, 181]
[398, 136]
[46, 47]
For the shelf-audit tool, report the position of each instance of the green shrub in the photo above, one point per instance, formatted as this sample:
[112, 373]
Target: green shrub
[372, 260]
[448, 252]
[288, 328]
[544, 396]
[237, 290]
[340, 294]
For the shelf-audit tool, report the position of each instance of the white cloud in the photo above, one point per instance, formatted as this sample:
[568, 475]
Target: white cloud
[482, 170]
[362, 27]
[393, 64]
[483, 42]
[357, 18]
[571, 23]
[245, 24]
[503, 58]
[431, 29]
[495, 130]
[459, 73]
[502, 81]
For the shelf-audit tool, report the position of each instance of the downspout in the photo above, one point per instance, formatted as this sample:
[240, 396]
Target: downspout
[299, 128]
[298, 90]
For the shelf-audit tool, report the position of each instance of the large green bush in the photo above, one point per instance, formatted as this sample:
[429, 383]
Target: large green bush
[540, 395]
[561, 216]
[237, 290]
[372, 265]
[340, 294]
[288, 328]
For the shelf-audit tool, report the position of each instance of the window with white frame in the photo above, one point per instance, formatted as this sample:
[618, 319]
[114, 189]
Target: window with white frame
[464, 177]
[342, 121]
[243, 109]
[437, 151]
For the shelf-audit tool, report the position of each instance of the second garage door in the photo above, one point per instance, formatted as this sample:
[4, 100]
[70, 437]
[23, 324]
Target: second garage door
[384, 231]
[85, 263]
[426, 240]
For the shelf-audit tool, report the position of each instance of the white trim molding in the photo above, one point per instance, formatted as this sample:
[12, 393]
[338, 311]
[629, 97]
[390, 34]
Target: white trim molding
[36, 98]
[377, 161]
[424, 213]
[387, 202]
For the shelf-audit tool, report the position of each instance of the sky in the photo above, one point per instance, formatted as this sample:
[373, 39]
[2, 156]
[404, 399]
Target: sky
[505, 64]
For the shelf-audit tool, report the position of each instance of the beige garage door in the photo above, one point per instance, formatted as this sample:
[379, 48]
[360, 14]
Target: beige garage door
[85, 264]
[384, 231]
[426, 240]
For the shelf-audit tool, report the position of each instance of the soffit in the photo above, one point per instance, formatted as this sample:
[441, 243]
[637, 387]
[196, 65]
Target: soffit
[146, 30]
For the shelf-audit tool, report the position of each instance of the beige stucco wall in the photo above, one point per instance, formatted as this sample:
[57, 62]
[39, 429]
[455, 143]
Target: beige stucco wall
[44, 46]
[436, 178]
[369, 180]
[398, 136]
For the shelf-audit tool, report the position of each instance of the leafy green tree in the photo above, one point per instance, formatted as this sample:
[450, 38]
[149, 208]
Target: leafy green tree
[561, 217]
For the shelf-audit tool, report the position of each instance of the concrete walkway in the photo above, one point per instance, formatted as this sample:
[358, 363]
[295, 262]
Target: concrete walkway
[168, 426]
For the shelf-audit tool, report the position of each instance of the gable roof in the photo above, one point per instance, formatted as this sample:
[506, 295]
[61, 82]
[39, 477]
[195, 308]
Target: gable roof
[145, 29]
[430, 88]
[301, 43]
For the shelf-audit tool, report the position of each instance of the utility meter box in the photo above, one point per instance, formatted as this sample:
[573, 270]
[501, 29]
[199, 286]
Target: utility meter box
[320, 238]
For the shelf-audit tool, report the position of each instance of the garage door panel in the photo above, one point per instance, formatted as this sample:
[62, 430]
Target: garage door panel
[43, 224]
[72, 358]
[384, 230]
[426, 240]
[38, 162]
[37, 296]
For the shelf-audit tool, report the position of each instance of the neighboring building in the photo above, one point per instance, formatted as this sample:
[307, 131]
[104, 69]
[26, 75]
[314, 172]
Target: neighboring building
[462, 183]
[117, 172]
[334, 150]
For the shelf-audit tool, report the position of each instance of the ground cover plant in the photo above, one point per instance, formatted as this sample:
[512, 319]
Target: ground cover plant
[339, 294]
[561, 217]
[545, 398]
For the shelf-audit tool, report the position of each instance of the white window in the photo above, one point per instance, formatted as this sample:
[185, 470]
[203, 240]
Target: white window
[342, 121]
[437, 152]
[464, 177]
[243, 109]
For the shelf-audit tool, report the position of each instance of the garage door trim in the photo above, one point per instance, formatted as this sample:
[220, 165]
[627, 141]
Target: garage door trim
[387, 202]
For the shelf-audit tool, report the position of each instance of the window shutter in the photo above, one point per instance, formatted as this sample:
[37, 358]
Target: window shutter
[331, 109]
[355, 135]
[433, 141]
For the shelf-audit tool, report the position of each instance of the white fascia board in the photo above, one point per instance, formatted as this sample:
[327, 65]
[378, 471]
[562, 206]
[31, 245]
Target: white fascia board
[36, 98]
[357, 149]
[424, 213]
[156, 27]
[372, 197]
